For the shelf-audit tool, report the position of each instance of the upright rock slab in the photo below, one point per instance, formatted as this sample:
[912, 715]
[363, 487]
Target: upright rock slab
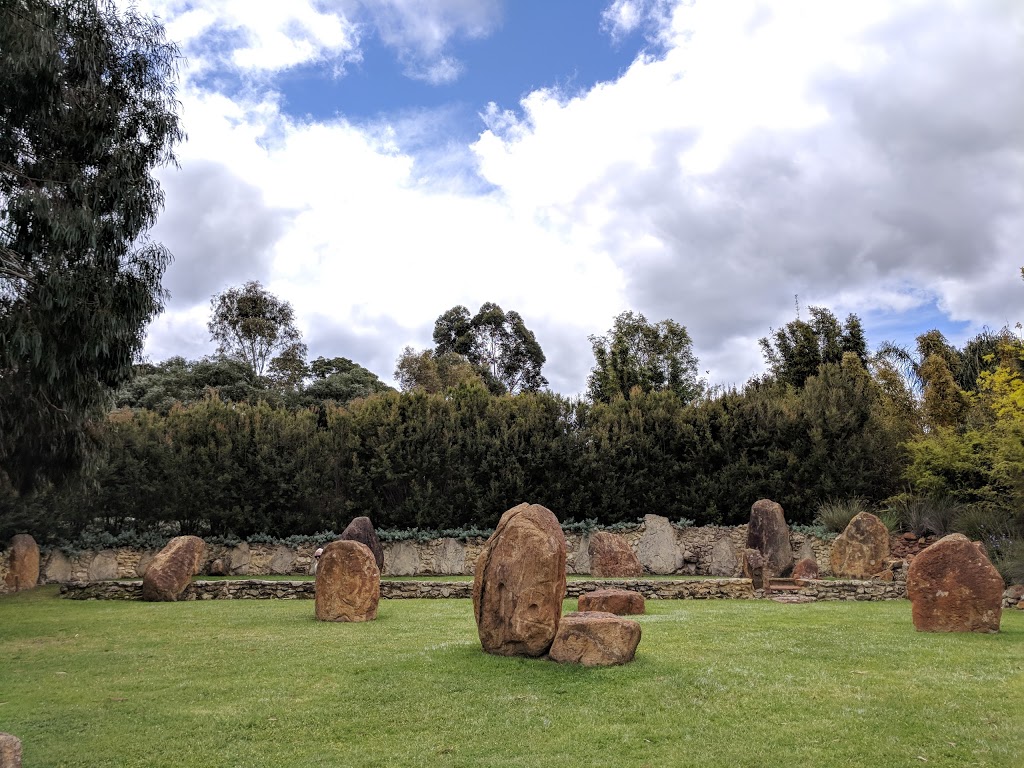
[861, 550]
[23, 556]
[611, 556]
[103, 566]
[173, 568]
[519, 583]
[347, 583]
[595, 639]
[58, 567]
[362, 530]
[724, 561]
[769, 535]
[953, 587]
[657, 549]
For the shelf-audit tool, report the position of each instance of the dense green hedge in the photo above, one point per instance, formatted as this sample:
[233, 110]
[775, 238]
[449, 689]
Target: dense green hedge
[431, 461]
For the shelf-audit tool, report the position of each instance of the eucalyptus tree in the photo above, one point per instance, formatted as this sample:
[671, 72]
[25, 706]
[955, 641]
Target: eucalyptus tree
[251, 324]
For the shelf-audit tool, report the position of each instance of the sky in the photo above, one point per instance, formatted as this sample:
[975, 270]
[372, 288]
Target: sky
[722, 164]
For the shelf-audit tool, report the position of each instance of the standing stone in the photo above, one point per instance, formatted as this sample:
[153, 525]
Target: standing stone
[240, 556]
[806, 569]
[519, 583]
[953, 587]
[451, 558]
[769, 534]
[621, 602]
[611, 556]
[173, 568]
[23, 563]
[581, 562]
[58, 568]
[361, 530]
[657, 549]
[103, 566]
[282, 560]
[862, 549]
[10, 751]
[595, 639]
[347, 583]
[757, 569]
[723, 559]
[403, 559]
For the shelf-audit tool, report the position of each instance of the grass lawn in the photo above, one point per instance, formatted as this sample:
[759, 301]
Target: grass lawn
[715, 683]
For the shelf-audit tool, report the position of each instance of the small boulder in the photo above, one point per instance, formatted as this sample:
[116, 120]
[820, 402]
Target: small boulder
[10, 751]
[657, 549]
[757, 569]
[806, 569]
[953, 587]
[173, 568]
[769, 535]
[862, 549]
[621, 602]
[361, 530]
[611, 556]
[347, 583]
[1014, 596]
[595, 639]
[519, 583]
[23, 563]
[724, 561]
[221, 566]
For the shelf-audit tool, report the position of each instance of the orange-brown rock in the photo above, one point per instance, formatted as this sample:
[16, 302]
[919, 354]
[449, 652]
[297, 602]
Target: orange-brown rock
[347, 583]
[806, 569]
[173, 568]
[953, 587]
[862, 549]
[621, 602]
[362, 530]
[611, 556]
[769, 535]
[23, 563]
[10, 751]
[519, 583]
[756, 568]
[595, 639]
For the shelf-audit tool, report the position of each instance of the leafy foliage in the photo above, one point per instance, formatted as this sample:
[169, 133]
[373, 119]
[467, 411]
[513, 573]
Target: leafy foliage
[794, 353]
[835, 514]
[251, 324]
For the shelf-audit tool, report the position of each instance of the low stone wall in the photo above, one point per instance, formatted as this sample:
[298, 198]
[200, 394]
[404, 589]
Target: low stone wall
[652, 589]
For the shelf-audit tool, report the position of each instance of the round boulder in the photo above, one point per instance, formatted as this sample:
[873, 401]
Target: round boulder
[862, 549]
[612, 557]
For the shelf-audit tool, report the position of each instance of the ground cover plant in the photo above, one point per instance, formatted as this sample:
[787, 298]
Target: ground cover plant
[715, 683]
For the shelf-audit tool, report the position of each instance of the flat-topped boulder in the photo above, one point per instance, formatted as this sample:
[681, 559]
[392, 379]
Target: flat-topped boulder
[173, 568]
[519, 583]
[612, 557]
[347, 583]
[769, 535]
[621, 602]
[953, 587]
[595, 639]
[23, 563]
[861, 550]
[362, 530]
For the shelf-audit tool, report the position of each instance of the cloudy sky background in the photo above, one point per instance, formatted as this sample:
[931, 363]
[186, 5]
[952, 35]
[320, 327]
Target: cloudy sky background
[376, 162]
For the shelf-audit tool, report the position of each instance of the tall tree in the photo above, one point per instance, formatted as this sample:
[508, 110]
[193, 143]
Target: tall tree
[251, 324]
[794, 352]
[431, 372]
[87, 111]
[497, 342]
[638, 353]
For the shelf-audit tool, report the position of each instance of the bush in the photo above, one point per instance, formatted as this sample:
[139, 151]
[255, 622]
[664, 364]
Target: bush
[1009, 559]
[835, 514]
[980, 522]
[923, 515]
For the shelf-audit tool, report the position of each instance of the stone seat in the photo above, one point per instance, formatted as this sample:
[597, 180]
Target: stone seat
[595, 639]
[621, 602]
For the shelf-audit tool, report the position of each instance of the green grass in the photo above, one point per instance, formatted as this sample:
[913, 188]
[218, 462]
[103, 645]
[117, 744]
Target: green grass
[715, 683]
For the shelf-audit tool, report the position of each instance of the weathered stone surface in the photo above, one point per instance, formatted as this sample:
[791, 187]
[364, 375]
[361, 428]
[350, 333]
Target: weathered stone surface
[144, 562]
[10, 751]
[403, 559]
[611, 556]
[104, 566]
[723, 559]
[953, 587]
[220, 566]
[657, 549]
[621, 602]
[861, 550]
[173, 568]
[362, 530]
[1014, 596]
[756, 568]
[450, 558]
[581, 562]
[769, 534]
[595, 639]
[57, 568]
[806, 569]
[240, 556]
[282, 561]
[22, 563]
[347, 583]
[519, 583]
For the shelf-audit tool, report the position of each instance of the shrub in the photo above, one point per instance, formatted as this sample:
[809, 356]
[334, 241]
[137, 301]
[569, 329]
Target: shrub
[980, 522]
[1009, 559]
[835, 514]
[922, 515]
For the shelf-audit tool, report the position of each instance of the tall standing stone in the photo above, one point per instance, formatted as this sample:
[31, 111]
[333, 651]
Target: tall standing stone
[173, 568]
[769, 535]
[23, 557]
[657, 549]
[611, 556]
[724, 561]
[347, 583]
[519, 583]
[953, 587]
[861, 550]
[362, 530]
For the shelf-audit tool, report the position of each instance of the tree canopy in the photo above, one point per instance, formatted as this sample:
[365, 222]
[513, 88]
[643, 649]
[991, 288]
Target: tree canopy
[794, 352]
[251, 324]
[87, 111]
